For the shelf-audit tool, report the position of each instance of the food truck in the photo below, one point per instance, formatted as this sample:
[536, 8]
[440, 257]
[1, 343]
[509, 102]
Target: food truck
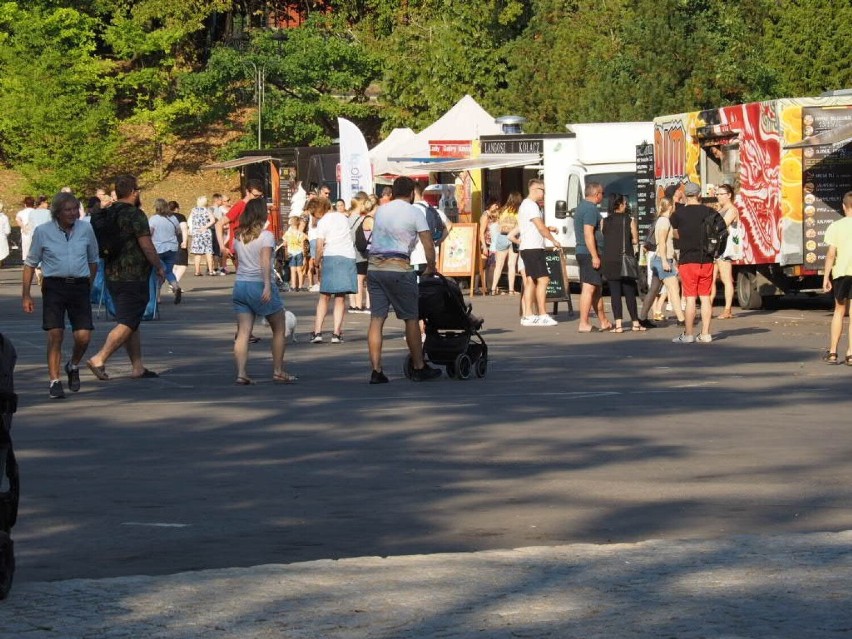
[789, 161]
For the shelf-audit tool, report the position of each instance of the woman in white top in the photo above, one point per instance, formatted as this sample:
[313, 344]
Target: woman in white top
[5, 231]
[254, 293]
[723, 267]
[22, 217]
[663, 263]
[165, 230]
[336, 261]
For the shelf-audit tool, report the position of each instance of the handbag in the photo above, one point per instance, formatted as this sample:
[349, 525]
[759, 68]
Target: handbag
[629, 263]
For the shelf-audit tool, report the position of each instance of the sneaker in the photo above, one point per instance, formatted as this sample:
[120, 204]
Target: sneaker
[529, 320]
[683, 338]
[425, 374]
[336, 339]
[704, 338]
[647, 323]
[314, 289]
[316, 338]
[56, 391]
[378, 377]
[545, 320]
[73, 373]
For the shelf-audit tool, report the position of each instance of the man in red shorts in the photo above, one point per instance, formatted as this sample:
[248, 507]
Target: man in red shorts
[695, 266]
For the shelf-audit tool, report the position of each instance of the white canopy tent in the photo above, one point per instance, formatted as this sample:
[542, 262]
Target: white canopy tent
[379, 154]
[466, 120]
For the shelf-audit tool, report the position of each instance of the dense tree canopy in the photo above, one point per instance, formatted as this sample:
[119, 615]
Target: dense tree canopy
[87, 86]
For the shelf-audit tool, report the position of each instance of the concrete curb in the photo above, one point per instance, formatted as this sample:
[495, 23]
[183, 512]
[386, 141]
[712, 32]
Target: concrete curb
[748, 586]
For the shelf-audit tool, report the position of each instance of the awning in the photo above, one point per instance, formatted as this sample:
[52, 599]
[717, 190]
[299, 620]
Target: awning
[482, 162]
[840, 135]
[233, 164]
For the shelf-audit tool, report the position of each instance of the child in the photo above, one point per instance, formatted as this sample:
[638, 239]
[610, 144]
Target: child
[294, 246]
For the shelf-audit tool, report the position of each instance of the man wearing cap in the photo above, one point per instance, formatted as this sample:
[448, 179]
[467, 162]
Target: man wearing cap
[695, 266]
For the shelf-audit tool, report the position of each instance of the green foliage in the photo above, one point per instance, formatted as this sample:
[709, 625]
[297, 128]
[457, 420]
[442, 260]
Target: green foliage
[56, 100]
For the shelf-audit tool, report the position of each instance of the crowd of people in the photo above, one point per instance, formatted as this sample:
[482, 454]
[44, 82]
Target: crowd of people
[367, 257]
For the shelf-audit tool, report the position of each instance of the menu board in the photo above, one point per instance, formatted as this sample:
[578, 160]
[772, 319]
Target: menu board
[557, 290]
[826, 177]
[646, 196]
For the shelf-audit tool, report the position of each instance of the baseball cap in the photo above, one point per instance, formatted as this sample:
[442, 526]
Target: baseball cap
[692, 189]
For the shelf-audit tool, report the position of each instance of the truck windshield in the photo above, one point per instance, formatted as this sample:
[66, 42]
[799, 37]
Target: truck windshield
[624, 183]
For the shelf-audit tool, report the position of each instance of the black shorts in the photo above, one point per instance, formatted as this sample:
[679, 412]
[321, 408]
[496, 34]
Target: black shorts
[588, 273]
[534, 264]
[361, 267]
[60, 296]
[130, 299]
[842, 287]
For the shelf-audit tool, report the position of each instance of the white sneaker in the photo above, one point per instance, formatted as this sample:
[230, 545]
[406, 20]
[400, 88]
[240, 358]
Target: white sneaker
[529, 320]
[704, 338]
[314, 288]
[683, 338]
[545, 320]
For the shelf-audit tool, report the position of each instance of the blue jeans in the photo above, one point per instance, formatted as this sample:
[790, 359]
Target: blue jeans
[168, 259]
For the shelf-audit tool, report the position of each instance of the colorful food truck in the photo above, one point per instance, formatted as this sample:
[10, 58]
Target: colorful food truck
[789, 161]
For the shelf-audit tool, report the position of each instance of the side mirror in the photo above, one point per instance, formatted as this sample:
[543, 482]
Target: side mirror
[561, 209]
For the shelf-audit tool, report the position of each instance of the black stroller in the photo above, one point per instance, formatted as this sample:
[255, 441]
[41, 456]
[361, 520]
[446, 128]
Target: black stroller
[452, 332]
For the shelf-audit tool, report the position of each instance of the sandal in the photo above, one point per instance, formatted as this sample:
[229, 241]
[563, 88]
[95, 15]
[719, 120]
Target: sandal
[848, 360]
[146, 374]
[639, 328]
[284, 378]
[243, 381]
[727, 315]
[828, 358]
[617, 329]
[98, 371]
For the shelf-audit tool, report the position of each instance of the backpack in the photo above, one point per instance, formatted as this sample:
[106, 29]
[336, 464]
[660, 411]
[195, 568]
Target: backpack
[107, 232]
[650, 241]
[714, 235]
[361, 239]
[433, 218]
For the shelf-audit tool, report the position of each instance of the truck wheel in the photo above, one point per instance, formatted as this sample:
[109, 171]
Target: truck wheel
[748, 296]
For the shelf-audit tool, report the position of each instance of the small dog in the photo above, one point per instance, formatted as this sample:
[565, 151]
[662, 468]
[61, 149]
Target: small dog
[290, 322]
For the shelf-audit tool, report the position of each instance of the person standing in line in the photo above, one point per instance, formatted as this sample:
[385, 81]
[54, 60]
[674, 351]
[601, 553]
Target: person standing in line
[663, 263]
[533, 236]
[392, 281]
[359, 216]
[203, 222]
[165, 230]
[587, 232]
[696, 266]
[127, 279]
[723, 268]
[503, 251]
[67, 250]
[418, 255]
[620, 236]
[254, 292]
[838, 278]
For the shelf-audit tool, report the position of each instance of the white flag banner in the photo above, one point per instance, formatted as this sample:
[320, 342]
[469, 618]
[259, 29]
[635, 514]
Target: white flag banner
[356, 173]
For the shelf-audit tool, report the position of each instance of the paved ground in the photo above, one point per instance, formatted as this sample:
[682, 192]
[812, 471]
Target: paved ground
[570, 438]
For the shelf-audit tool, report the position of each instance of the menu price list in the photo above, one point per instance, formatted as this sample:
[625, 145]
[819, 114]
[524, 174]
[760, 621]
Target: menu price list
[646, 207]
[826, 178]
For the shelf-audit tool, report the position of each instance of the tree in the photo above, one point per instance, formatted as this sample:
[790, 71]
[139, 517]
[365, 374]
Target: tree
[57, 120]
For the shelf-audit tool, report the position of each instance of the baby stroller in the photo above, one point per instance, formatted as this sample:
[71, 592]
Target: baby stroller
[452, 331]
[281, 268]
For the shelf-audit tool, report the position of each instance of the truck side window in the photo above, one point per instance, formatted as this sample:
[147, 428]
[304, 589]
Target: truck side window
[573, 192]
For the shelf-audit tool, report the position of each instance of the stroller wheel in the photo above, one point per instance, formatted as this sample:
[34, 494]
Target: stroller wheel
[463, 366]
[481, 366]
[407, 367]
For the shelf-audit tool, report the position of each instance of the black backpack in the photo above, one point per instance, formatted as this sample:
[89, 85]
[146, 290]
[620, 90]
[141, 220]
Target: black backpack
[107, 232]
[433, 218]
[714, 235]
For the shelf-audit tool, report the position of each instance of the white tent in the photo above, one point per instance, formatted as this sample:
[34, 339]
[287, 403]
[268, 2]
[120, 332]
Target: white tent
[466, 120]
[379, 154]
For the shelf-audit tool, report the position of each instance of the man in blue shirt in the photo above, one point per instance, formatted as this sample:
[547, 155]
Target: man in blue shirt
[587, 233]
[68, 253]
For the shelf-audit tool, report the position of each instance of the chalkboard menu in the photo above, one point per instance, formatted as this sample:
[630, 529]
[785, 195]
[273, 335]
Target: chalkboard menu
[557, 288]
[826, 177]
[646, 196]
